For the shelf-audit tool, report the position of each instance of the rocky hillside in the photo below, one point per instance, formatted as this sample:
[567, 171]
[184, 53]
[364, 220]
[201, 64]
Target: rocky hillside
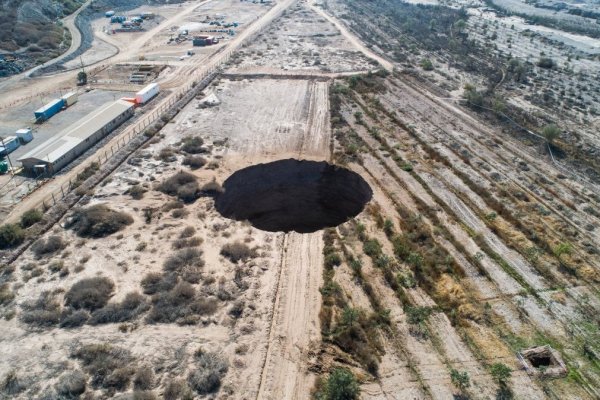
[30, 32]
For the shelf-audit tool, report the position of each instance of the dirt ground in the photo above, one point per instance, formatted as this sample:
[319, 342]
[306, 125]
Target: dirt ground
[472, 248]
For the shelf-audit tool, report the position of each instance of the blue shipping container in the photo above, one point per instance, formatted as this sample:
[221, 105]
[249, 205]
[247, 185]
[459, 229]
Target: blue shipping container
[49, 110]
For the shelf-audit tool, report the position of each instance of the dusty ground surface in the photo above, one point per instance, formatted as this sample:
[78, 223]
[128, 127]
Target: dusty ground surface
[472, 248]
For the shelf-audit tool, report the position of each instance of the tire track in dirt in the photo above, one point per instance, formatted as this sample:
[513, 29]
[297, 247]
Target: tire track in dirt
[295, 330]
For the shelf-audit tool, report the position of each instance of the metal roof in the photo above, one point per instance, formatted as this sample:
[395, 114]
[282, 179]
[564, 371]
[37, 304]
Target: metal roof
[61, 144]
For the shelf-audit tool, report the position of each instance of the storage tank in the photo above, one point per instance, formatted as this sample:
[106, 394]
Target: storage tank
[24, 135]
[70, 98]
[8, 145]
[147, 93]
[49, 110]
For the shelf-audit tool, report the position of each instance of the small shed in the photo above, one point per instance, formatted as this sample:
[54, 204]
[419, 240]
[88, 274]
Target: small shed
[24, 135]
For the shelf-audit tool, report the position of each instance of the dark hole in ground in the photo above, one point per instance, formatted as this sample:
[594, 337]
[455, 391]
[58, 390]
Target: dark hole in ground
[293, 195]
[541, 360]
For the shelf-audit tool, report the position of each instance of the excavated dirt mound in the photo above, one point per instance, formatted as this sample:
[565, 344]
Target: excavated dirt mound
[293, 195]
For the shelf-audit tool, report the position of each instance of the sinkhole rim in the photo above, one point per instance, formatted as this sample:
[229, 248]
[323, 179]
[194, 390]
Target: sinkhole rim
[291, 194]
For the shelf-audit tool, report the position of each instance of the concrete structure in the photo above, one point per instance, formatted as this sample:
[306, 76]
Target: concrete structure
[25, 136]
[147, 93]
[54, 154]
[70, 99]
[49, 110]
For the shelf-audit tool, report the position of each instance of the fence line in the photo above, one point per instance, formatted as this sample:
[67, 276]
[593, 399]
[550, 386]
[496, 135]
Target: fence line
[197, 78]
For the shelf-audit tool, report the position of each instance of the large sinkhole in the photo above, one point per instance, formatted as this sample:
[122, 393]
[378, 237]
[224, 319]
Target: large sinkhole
[293, 195]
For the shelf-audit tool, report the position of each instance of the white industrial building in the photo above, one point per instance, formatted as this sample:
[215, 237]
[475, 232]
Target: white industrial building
[54, 154]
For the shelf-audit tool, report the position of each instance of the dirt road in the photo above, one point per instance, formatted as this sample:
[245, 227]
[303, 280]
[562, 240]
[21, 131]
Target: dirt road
[295, 329]
[353, 39]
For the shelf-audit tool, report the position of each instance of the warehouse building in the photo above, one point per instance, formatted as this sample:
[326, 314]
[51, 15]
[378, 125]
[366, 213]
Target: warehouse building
[54, 154]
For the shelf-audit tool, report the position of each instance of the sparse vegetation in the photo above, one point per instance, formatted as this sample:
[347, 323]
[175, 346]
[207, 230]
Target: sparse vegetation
[132, 306]
[339, 385]
[11, 235]
[97, 221]
[194, 162]
[183, 185]
[193, 145]
[109, 366]
[211, 368]
[90, 294]
[31, 217]
[237, 251]
[71, 384]
[43, 247]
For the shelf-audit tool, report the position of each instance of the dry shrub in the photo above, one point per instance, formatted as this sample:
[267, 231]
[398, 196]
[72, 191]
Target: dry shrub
[188, 257]
[181, 304]
[183, 185]
[172, 205]
[183, 243]
[155, 282]
[43, 312]
[97, 221]
[211, 369]
[71, 384]
[180, 213]
[194, 162]
[237, 251]
[212, 188]
[73, 318]
[51, 245]
[193, 145]
[187, 232]
[6, 295]
[107, 365]
[136, 192]
[132, 305]
[11, 384]
[143, 379]
[144, 395]
[90, 293]
[449, 292]
[176, 390]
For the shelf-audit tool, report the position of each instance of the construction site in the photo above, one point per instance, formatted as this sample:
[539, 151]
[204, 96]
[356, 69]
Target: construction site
[304, 199]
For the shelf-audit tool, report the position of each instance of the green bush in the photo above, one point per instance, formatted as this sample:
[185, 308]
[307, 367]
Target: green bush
[426, 64]
[31, 217]
[372, 248]
[11, 235]
[501, 373]
[340, 385]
